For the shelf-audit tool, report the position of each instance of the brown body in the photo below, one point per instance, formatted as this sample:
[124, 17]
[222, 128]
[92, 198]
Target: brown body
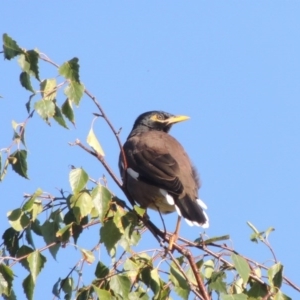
[150, 151]
[159, 173]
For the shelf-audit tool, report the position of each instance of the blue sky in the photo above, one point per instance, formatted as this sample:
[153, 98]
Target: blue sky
[233, 67]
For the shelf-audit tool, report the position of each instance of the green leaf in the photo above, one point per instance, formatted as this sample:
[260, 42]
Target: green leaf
[238, 286]
[281, 296]
[17, 219]
[10, 47]
[78, 179]
[216, 282]
[70, 69]
[19, 162]
[140, 294]
[36, 209]
[67, 110]
[49, 230]
[83, 293]
[190, 275]
[24, 64]
[58, 117]
[82, 205]
[102, 294]
[36, 227]
[209, 267]
[181, 286]
[101, 198]
[120, 284]
[110, 235]
[88, 256]
[127, 225]
[74, 92]
[258, 290]
[256, 235]
[275, 275]
[25, 81]
[6, 279]
[139, 210]
[253, 227]
[94, 143]
[217, 239]
[24, 251]
[56, 215]
[101, 270]
[56, 289]
[4, 170]
[36, 263]
[11, 241]
[28, 103]
[28, 287]
[48, 89]
[28, 236]
[32, 57]
[241, 266]
[234, 297]
[132, 269]
[268, 231]
[20, 134]
[67, 285]
[29, 203]
[45, 108]
[155, 282]
[65, 231]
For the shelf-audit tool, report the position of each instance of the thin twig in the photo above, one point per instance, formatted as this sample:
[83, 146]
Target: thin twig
[103, 162]
[185, 276]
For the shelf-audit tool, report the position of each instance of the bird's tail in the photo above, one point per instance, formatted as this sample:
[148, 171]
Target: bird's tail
[193, 211]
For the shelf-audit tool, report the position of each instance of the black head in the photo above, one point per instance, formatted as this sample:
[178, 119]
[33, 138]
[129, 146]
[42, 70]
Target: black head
[156, 120]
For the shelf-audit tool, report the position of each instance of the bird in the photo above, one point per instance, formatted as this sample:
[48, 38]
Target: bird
[158, 173]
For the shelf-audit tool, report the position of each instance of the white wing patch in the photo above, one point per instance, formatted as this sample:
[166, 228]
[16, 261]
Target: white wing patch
[168, 197]
[133, 173]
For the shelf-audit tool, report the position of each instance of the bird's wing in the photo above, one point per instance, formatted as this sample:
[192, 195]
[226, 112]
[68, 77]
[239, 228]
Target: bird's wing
[159, 169]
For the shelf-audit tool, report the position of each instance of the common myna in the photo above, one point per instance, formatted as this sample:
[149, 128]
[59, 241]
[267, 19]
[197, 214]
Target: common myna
[160, 174]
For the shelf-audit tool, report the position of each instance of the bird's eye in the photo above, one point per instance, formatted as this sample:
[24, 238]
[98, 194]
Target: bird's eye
[159, 117]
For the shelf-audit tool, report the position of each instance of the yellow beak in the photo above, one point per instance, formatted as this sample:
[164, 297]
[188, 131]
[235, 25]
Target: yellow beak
[176, 119]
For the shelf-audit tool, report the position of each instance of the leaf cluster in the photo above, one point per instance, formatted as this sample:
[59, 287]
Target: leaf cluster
[202, 269]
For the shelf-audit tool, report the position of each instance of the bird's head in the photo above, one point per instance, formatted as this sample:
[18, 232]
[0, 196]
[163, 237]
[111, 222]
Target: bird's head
[156, 120]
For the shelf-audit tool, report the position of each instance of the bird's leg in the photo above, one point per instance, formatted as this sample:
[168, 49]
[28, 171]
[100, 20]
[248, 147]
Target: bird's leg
[174, 237]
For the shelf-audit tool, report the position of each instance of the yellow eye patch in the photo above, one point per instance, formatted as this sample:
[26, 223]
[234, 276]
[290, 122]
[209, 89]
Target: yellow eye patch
[157, 118]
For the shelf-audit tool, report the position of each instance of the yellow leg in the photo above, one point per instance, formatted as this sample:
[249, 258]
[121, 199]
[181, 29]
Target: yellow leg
[174, 237]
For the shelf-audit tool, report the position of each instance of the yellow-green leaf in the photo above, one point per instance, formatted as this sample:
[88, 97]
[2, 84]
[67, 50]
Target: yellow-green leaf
[45, 108]
[48, 89]
[17, 219]
[275, 275]
[101, 198]
[140, 211]
[94, 143]
[70, 69]
[88, 256]
[78, 179]
[36, 263]
[102, 294]
[82, 205]
[241, 266]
